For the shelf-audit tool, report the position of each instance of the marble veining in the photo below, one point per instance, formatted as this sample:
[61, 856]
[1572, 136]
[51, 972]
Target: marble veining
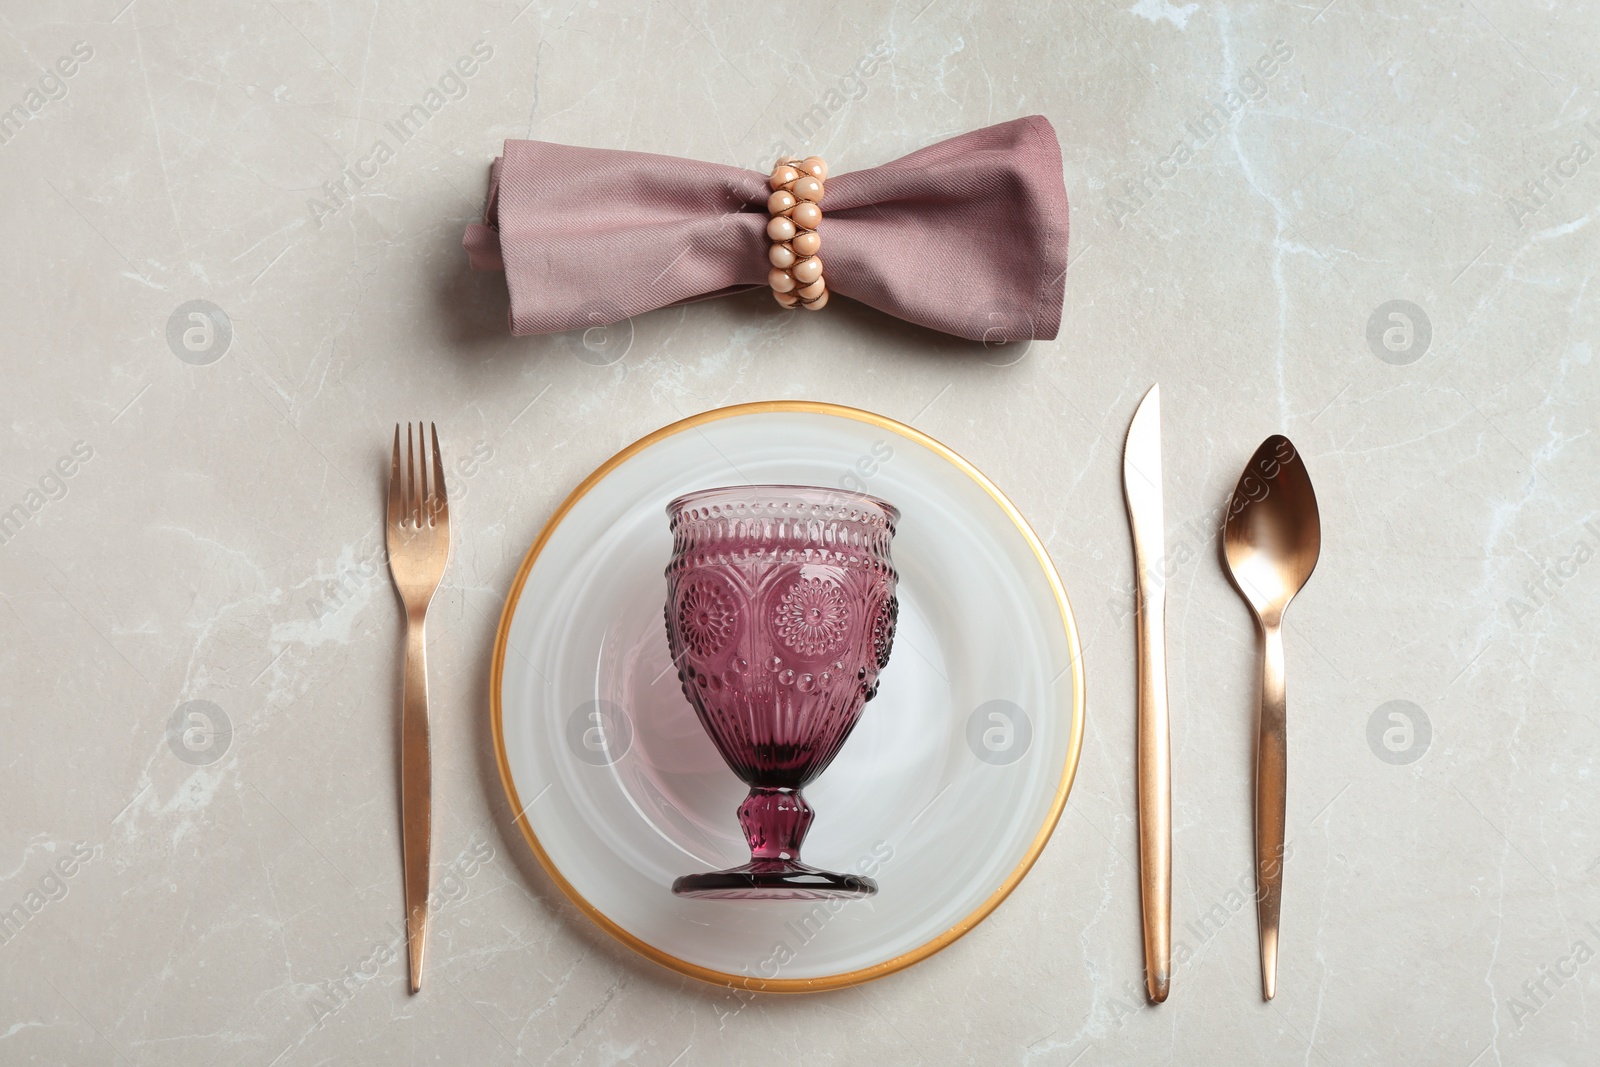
[235, 232]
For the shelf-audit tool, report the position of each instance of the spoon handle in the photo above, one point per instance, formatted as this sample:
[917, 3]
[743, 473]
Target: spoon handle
[1272, 759]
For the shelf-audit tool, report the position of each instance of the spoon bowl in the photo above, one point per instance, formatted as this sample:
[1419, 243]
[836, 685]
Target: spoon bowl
[1270, 541]
[1273, 534]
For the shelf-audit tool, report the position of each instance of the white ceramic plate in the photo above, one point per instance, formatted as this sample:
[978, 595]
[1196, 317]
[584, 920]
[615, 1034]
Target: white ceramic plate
[945, 793]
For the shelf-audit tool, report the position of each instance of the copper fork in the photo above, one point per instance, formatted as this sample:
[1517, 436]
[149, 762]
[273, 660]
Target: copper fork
[419, 549]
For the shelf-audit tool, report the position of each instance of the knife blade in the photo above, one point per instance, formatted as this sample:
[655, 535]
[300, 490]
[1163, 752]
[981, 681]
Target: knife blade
[1142, 488]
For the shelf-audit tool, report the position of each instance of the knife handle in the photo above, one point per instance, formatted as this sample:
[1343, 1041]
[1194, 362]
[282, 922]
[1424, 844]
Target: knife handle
[1155, 793]
[1272, 762]
[416, 793]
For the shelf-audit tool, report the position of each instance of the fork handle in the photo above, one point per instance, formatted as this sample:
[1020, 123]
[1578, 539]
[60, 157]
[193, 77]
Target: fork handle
[416, 792]
[1272, 760]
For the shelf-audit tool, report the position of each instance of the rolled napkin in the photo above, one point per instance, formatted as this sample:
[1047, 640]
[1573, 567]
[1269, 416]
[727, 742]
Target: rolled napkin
[967, 236]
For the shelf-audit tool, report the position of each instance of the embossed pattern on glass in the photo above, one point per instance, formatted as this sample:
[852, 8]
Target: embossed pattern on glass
[780, 615]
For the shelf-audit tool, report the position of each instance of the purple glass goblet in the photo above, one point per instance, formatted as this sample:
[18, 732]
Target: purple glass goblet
[780, 614]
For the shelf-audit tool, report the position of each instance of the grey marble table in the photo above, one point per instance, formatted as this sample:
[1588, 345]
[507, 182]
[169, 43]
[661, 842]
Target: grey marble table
[1368, 226]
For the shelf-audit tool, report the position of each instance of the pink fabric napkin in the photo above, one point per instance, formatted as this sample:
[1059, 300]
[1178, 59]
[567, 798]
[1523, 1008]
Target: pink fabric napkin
[967, 236]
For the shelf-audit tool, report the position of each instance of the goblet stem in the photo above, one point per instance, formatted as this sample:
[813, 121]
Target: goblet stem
[775, 821]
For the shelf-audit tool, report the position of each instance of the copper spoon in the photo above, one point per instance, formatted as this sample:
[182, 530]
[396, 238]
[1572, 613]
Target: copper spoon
[1271, 540]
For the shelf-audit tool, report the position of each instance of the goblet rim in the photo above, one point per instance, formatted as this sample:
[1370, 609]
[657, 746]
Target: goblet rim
[842, 497]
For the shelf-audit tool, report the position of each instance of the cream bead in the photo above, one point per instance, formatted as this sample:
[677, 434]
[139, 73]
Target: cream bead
[806, 215]
[807, 270]
[812, 291]
[816, 305]
[807, 244]
[780, 202]
[780, 229]
[781, 256]
[788, 300]
[814, 166]
[780, 280]
[808, 188]
[782, 175]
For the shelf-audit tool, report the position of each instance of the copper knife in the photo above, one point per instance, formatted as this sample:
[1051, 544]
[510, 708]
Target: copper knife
[1141, 486]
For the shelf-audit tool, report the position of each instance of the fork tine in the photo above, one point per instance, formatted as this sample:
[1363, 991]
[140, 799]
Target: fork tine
[394, 482]
[441, 504]
[411, 479]
[422, 476]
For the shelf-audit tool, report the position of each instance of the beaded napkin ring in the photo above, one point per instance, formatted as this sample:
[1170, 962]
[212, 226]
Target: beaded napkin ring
[796, 275]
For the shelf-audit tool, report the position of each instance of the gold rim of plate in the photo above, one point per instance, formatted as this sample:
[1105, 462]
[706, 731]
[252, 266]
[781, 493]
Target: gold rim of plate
[906, 959]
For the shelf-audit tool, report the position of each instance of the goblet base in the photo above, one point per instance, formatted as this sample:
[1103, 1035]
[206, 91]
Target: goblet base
[773, 880]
